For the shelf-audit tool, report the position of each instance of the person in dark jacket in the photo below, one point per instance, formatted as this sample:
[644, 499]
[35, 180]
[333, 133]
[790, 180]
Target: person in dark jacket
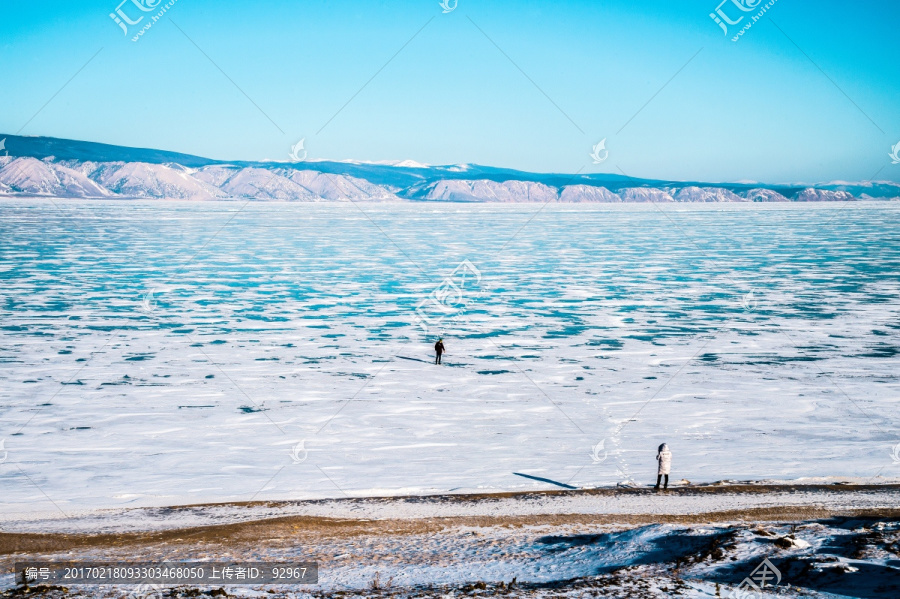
[664, 457]
[438, 350]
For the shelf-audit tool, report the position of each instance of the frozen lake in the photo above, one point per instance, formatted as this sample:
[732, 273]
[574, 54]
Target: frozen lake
[161, 353]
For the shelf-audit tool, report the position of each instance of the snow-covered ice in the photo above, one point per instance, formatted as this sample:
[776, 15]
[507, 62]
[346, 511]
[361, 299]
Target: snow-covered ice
[170, 353]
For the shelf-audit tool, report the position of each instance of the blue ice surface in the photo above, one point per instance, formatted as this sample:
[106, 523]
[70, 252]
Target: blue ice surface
[758, 340]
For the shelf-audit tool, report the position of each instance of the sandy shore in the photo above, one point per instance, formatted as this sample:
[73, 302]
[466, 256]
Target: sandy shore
[706, 503]
[239, 522]
[690, 538]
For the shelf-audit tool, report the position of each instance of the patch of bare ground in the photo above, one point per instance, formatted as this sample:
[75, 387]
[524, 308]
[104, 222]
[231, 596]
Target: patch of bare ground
[310, 529]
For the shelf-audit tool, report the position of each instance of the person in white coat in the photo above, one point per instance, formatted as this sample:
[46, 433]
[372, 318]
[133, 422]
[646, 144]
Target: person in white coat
[664, 457]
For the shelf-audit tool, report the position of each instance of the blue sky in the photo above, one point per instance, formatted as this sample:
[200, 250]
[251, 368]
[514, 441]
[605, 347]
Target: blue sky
[521, 84]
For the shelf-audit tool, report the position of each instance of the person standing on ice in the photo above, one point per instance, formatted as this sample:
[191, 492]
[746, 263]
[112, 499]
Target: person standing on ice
[664, 457]
[438, 350]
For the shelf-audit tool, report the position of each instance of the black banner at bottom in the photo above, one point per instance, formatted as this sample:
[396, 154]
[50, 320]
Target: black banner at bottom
[167, 573]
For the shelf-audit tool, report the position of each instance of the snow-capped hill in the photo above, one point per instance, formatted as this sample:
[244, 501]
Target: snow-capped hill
[646, 194]
[764, 195]
[340, 187]
[290, 184]
[483, 190]
[77, 184]
[707, 194]
[869, 190]
[143, 180]
[33, 176]
[66, 168]
[262, 184]
[587, 193]
[411, 164]
[811, 194]
[216, 175]
[865, 197]
[29, 175]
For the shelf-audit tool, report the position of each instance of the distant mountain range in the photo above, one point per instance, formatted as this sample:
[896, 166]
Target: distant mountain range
[46, 166]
